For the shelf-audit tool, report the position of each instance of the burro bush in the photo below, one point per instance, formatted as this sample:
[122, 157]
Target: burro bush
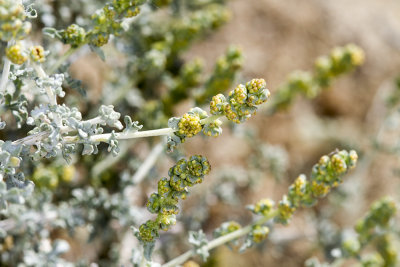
[70, 173]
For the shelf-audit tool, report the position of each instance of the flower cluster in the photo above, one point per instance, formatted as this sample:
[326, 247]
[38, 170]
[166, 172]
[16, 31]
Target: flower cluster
[242, 101]
[340, 61]
[16, 54]
[226, 228]
[74, 35]
[37, 53]
[189, 125]
[185, 174]
[12, 21]
[238, 107]
[374, 229]
[379, 215]
[328, 172]
[325, 175]
[107, 21]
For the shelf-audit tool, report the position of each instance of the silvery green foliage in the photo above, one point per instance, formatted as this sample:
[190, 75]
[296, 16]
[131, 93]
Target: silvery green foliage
[137, 260]
[110, 117]
[87, 208]
[173, 140]
[199, 241]
[131, 126]
[54, 82]
[9, 157]
[48, 252]
[15, 194]
[53, 144]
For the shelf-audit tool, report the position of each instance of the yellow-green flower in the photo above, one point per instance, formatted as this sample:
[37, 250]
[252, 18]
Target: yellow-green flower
[189, 125]
[15, 54]
[37, 53]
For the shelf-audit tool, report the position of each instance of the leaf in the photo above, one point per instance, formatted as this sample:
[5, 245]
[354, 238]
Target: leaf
[98, 51]
[148, 248]
[51, 32]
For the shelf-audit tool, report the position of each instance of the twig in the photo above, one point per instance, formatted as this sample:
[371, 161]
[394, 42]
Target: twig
[220, 240]
[122, 136]
[148, 163]
[62, 59]
[6, 72]
[210, 119]
[30, 140]
[52, 97]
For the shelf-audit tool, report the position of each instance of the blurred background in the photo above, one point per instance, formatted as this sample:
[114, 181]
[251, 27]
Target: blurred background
[278, 37]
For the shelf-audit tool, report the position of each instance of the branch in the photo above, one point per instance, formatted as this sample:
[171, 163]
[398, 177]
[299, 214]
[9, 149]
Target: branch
[122, 136]
[148, 163]
[6, 72]
[221, 240]
[52, 97]
[63, 58]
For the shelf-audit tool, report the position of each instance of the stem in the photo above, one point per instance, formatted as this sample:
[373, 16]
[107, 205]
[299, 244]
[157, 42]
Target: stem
[122, 136]
[221, 240]
[63, 58]
[210, 119]
[32, 139]
[52, 97]
[95, 120]
[6, 71]
[148, 163]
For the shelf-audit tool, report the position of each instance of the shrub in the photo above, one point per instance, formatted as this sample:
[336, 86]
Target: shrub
[56, 179]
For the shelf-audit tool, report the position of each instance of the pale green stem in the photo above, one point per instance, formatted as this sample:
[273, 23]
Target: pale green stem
[6, 71]
[149, 162]
[95, 120]
[30, 140]
[210, 119]
[49, 91]
[62, 59]
[122, 136]
[221, 240]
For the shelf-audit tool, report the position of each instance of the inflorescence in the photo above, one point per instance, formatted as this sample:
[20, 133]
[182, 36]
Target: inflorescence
[374, 229]
[12, 21]
[325, 175]
[240, 104]
[341, 60]
[106, 21]
[164, 203]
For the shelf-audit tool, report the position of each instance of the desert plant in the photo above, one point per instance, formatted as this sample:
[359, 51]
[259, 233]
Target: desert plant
[52, 133]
